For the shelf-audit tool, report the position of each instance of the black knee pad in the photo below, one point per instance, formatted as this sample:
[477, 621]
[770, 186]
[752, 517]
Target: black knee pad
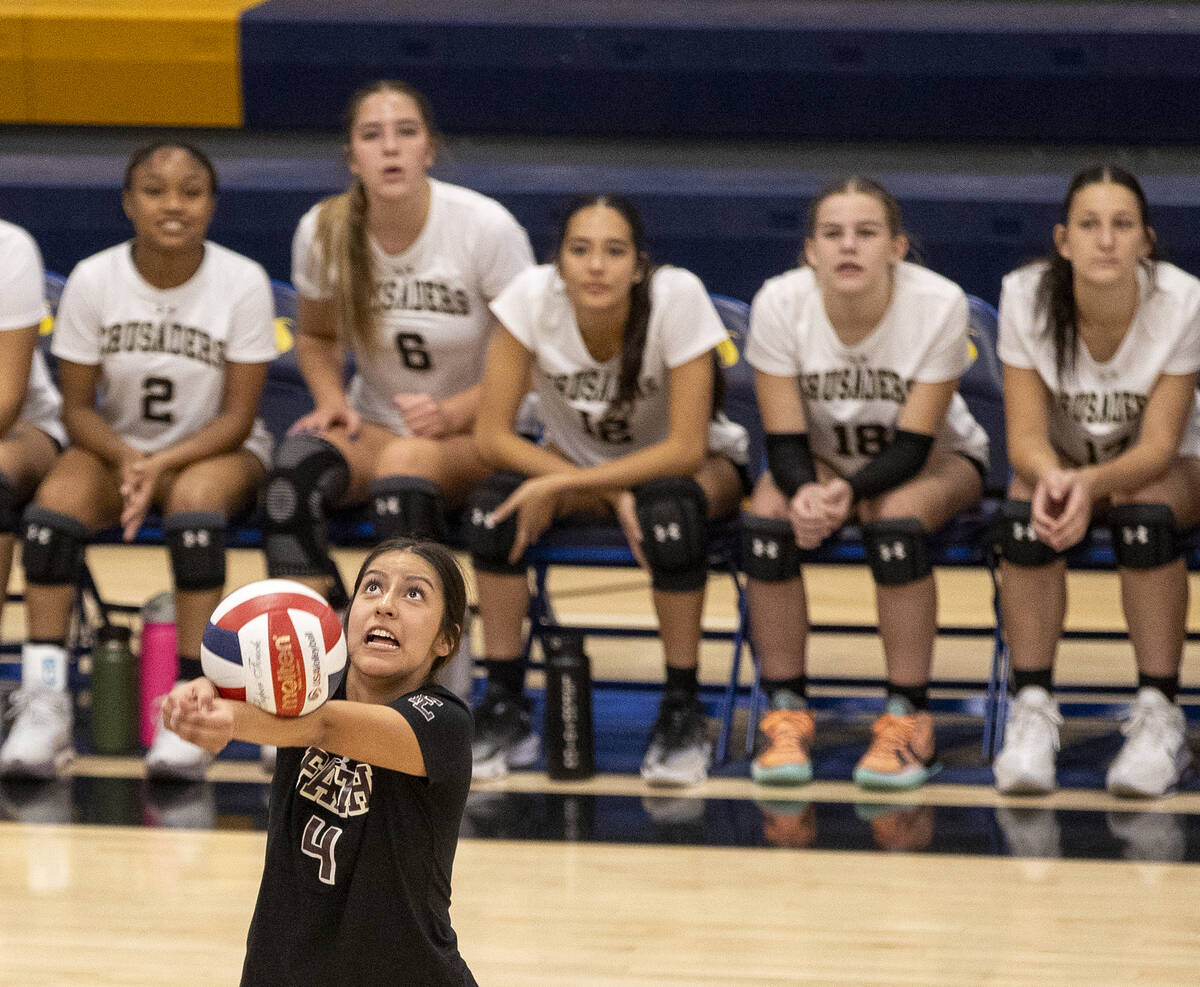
[10, 509]
[491, 543]
[1018, 542]
[309, 473]
[673, 514]
[1143, 535]
[52, 552]
[407, 506]
[196, 543]
[896, 551]
[769, 552]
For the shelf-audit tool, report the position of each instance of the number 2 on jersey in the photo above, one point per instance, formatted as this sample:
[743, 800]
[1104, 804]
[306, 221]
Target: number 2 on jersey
[156, 392]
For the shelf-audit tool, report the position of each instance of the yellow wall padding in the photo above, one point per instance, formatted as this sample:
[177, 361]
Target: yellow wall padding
[154, 62]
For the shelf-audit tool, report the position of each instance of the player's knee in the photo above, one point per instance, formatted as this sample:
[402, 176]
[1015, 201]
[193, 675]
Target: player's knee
[1143, 535]
[1018, 542]
[769, 551]
[407, 506]
[491, 543]
[196, 544]
[897, 552]
[309, 473]
[673, 514]
[52, 549]
[10, 507]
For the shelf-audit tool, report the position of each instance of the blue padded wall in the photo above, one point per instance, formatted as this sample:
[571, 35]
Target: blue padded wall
[986, 70]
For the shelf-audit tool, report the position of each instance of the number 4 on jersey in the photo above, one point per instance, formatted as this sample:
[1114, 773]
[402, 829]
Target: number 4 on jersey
[319, 842]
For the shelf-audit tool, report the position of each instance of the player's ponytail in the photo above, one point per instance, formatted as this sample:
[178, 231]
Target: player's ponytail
[341, 241]
[1055, 299]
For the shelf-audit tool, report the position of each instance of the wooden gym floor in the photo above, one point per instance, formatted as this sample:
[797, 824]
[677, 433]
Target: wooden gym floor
[107, 879]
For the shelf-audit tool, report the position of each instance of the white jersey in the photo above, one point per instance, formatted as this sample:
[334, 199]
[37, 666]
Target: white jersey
[1096, 411]
[576, 391]
[431, 300]
[22, 305]
[853, 395]
[162, 352]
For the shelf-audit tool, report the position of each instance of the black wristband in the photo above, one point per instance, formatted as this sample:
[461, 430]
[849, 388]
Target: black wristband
[899, 462]
[789, 458]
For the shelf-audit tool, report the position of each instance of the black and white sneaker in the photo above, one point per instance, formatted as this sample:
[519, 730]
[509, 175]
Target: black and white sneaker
[679, 751]
[504, 736]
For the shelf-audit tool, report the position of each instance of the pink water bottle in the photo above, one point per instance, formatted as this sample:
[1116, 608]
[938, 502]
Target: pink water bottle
[159, 661]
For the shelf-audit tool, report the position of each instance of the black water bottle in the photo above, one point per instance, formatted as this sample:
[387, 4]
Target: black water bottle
[570, 743]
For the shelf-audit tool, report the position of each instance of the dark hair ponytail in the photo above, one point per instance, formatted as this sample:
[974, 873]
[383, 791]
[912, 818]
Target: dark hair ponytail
[1056, 289]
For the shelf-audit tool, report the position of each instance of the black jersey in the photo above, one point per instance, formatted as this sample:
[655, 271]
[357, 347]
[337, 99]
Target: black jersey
[356, 883]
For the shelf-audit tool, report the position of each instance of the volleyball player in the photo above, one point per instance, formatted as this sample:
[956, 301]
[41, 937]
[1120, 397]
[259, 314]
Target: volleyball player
[31, 435]
[162, 344]
[398, 270]
[368, 793]
[857, 356]
[621, 357]
[1100, 344]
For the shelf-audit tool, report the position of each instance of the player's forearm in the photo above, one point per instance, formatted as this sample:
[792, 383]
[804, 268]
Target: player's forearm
[322, 365]
[255, 726]
[672, 457]
[460, 409]
[223, 434]
[88, 431]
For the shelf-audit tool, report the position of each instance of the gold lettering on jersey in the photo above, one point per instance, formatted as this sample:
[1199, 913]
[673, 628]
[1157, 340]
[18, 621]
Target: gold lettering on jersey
[338, 784]
[415, 295]
[858, 383]
[162, 337]
[1111, 408]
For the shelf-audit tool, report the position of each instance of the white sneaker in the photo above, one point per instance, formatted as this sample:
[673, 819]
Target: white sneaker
[1026, 762]
[679, 752]
[172, 757]
[1155, 753]
[39, 740]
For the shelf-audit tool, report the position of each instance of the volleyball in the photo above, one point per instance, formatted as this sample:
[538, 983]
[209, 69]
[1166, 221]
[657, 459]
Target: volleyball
[275, 644]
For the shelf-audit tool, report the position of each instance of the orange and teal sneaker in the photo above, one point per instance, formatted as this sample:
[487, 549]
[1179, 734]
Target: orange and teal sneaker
[785, 736]
[902, 753]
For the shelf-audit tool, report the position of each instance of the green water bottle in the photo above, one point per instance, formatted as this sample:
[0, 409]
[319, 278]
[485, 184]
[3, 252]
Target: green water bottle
[114, 692]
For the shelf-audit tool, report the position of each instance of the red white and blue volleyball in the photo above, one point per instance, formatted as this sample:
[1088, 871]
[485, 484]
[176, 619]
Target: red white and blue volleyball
[275, 644]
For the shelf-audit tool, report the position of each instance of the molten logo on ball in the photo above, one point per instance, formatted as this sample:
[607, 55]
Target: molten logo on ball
[275, 644]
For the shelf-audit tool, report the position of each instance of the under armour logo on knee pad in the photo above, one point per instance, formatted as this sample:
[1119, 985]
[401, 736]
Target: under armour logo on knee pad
[892, 552]
[387, 505]
[1023, 532]
[764, 548]
[667, 532]
[1139, 535]
[193, 538]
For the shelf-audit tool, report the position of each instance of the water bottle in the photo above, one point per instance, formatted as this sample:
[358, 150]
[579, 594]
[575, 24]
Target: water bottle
[570, 743]
[114, 692]
[158, 662]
